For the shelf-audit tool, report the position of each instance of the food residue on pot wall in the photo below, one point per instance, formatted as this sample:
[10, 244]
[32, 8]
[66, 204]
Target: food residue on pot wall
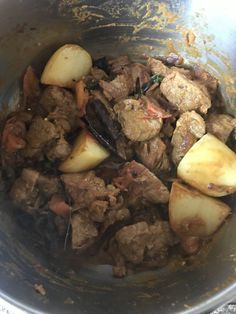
[170, 33]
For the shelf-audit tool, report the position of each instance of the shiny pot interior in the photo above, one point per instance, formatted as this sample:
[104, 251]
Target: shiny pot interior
[30, 31]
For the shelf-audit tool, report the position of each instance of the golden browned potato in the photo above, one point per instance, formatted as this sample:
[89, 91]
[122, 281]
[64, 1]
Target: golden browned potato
[86, 154]
[210, 167]
[66, 66]
[194, 214]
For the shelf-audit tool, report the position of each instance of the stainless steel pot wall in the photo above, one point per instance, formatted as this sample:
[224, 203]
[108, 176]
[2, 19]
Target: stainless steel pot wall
[30, 31]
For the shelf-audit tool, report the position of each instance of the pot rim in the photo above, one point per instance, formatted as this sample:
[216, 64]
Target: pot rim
[219, 299]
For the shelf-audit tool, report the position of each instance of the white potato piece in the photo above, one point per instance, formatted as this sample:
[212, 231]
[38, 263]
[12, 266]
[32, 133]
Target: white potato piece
[66, 66]
[86, 154]
[194, 214]
[210, 167]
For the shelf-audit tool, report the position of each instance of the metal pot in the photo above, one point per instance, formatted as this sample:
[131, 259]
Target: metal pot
[29, 32]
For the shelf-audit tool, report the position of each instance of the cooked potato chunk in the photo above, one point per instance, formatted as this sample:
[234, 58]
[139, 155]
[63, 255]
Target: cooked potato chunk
[192, 213]
[210, 167]
[86, 154]
[66, 66]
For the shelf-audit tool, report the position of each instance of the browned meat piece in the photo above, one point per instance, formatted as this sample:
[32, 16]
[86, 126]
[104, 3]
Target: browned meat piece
[157, 67]
[124, 148]
[24, 192]
[184, 71]
[98, 74]
[61, 106]
[48, 186]
[220, 125]
[126, 80]
[118, 64]
[84, 232]
[185, 94]
[168, 129]
[32, 190]
[205, 78]
[58, 205]
[24, 116]
[60, 150]
[140, 119]
[97, 210]
[117, 89]
[13, 136]
[132, 241]
[139, 72]
[160, 239]
[140, 184]
[115, 215]
[150, 153]
[141, 243]
[56, 97]
[90, 192]
[119, 267]
[164, 166]
[171, 59]
[31, 88]
[41, 133]
[189, 128]
[153, 155]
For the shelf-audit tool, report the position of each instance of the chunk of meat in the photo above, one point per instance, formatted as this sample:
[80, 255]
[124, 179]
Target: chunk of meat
[159, 68]
[119, 267]
[13, 135]
[58, 205]
[164, 166]
[31, 88]
[57, 97]
[61, 106]
[90, 192]
[84, 232]
[141, 184]
[185, 94]
[32, 190]
[140, 73]
[160, 239]
[132, 241]
[24, 192]
[150, 153]
[220, 125]
[205, 78]
[117, 89]
[124, 148]
[40, 133]
[140, 119]
[98, 74]
[118, 64]
[141, 243]
[189, 127]
[126, 81]
[59, 150]
[48, 186]
[115, 215]
[171, 59]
